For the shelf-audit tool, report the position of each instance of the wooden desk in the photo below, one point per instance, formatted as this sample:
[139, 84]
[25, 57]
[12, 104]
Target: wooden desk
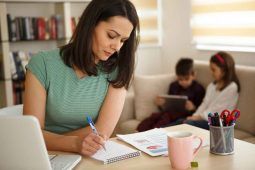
[242, 159]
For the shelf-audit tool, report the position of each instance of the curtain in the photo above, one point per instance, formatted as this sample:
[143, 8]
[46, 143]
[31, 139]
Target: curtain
[149, 15]
[224, 24]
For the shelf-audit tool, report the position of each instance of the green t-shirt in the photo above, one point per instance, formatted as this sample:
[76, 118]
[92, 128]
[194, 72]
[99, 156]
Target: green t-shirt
[68, 97]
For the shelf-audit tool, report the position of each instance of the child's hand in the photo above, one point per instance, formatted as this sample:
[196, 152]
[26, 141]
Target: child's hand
[194, 117]
[190, 106]
[159, 101]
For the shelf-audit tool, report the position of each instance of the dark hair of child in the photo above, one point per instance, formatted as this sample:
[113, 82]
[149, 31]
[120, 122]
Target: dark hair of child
[184, 67]
[227, 64]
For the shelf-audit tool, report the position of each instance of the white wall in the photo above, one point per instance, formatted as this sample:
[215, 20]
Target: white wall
[176, 33]
[148, 61]
[177, 37]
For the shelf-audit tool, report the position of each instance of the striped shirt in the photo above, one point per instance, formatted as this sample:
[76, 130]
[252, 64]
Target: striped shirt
[68, 97]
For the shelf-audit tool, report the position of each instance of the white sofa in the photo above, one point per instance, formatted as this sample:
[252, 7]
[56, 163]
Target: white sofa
[139, 103]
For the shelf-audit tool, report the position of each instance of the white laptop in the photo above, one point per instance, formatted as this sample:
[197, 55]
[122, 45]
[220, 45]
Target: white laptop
[22, 147]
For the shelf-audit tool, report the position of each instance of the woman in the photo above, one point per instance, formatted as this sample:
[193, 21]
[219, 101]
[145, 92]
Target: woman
[88, 75]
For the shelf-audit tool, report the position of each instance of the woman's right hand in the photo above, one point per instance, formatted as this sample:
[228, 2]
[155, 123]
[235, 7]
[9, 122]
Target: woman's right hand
[159, 101]
[91, 144]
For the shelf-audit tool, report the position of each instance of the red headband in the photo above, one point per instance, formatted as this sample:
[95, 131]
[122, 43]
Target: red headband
[220, 58]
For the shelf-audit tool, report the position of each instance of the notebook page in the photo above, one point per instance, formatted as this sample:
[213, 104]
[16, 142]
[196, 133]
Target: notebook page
[152, 142]
[114, 150]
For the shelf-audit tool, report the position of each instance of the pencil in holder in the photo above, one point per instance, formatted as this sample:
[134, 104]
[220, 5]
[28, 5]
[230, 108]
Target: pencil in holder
[222, 139]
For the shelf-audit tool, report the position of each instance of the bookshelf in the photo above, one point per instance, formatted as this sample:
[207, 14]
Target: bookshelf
[30, 8]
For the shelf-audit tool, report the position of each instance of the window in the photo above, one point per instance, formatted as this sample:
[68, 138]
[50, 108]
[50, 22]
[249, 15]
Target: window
[224, 24]
[149, 15]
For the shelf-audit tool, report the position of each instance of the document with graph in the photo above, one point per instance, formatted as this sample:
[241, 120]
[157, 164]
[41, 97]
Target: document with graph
[153, 142]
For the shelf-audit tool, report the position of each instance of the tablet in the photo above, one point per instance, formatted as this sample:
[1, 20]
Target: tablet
[174, 103]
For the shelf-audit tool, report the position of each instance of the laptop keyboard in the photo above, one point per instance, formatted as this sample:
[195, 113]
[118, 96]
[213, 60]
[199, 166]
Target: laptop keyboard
[63, 162]
[59, 166]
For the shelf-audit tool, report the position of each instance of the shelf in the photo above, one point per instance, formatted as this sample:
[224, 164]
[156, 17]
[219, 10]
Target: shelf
[1, 79]
[28, 41]
[19, 8]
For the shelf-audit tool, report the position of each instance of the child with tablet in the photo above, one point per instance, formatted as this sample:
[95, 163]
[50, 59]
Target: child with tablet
[185, 85]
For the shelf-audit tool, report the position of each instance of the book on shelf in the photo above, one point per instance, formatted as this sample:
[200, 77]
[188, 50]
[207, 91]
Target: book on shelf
[73, 24]
[18, 61]
[10, 28]
[53, 28]
[41, 28]
[16, 29]
[60, 26]
[19, 70]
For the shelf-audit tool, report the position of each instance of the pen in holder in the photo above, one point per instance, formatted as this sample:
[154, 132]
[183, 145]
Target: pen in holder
[222, 139]
[222, 135]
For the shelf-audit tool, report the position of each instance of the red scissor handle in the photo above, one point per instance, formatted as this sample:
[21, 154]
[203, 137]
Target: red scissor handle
[236, 113]
[225, 113]
[229, 117]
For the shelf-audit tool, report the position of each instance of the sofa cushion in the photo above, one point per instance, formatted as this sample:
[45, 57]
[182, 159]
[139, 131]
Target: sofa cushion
[246, 77]
[128, 111]
[128, 126]
[250, 140]
[146, 88]
[203, 73]
[239, 134]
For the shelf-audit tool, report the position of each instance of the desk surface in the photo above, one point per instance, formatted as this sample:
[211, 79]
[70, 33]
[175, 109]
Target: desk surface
[243, 158]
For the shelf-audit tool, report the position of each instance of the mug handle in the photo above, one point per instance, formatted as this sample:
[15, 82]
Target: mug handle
[196, 149]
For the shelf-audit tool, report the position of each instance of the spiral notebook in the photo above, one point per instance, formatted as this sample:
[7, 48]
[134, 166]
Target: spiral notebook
[115, 152]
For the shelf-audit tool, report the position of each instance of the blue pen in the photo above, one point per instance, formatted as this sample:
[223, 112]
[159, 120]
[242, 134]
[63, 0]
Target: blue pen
[222, 135]
[92, 125]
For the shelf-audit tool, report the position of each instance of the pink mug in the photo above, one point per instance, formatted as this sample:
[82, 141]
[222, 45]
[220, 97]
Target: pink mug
[180, 149]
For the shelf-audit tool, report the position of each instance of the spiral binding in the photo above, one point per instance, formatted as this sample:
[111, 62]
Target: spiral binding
[122, 157]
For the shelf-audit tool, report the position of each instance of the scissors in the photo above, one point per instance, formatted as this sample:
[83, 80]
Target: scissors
[229, 117]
